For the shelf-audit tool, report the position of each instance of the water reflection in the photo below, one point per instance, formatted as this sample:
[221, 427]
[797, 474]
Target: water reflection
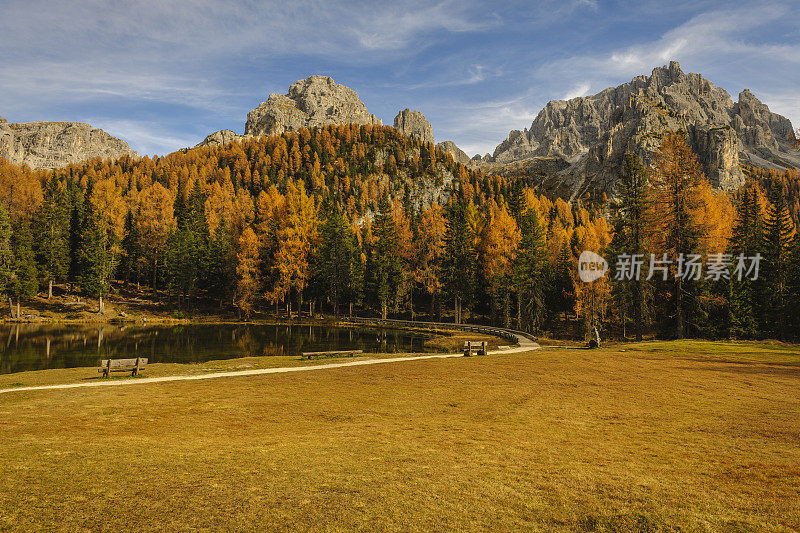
[35, 347]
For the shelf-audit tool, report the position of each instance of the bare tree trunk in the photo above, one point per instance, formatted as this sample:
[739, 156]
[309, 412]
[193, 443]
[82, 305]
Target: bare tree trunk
[506, 309]
[11, 306]
[50, 289]
[679, 309]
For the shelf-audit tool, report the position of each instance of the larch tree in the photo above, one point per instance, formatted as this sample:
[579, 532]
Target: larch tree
[429, 251]
[247, 272]
[156, 221]
[677, 177]
[499, 244]
[296, 234]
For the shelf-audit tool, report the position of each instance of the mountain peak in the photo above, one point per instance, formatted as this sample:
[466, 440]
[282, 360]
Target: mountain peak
[592, 134]
[313, 101]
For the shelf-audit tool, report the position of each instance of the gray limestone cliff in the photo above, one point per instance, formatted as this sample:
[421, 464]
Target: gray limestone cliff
[314, 101]
[57, 144]
[414, 124]
[449, 147]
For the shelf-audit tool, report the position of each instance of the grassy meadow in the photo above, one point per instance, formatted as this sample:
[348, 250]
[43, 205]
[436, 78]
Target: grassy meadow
[690, 436]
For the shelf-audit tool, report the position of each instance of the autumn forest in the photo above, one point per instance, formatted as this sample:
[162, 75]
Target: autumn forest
[360, 219]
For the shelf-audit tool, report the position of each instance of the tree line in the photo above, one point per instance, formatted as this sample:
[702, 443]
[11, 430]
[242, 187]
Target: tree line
[343, 217]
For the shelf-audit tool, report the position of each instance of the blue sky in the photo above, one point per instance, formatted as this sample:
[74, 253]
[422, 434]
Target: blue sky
[162, 75]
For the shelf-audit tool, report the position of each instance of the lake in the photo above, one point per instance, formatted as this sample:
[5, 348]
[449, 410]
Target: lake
[37, 346]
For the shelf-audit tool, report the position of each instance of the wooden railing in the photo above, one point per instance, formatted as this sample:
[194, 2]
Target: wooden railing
[508, 334]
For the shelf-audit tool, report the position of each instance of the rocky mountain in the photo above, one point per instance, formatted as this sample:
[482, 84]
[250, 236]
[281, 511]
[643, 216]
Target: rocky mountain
[414, 124]
[314, 101]
[317, 101]
[458, 154]
[57, 144]
[587, 137]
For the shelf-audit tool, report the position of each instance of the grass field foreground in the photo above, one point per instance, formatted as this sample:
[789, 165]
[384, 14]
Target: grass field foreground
[657, 436]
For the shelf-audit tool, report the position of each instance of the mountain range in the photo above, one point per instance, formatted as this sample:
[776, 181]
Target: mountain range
[572, 147]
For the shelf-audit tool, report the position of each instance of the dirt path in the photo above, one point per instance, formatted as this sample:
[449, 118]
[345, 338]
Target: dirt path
[525, 346]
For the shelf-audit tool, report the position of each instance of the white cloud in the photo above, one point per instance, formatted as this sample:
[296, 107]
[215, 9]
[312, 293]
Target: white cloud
[146, 137]
[582, 89]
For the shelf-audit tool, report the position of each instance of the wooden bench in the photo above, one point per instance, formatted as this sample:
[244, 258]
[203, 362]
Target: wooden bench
[309, 355]
[478, 346]
[122, 365]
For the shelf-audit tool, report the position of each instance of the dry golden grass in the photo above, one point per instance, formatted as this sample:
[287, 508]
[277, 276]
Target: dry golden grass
[696, 436]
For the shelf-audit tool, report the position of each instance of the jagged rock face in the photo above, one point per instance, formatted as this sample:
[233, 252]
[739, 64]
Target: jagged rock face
[57, 144]
[449, 147]
[221, 137]
[314, 101]
[414, 124]
[593, 133]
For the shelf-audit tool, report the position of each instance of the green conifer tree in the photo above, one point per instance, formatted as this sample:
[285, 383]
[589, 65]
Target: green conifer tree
[26, 282]
[387, 265]
[778, 235]
[459, 263]
[51, 224]
[630, 222]
[529, 272]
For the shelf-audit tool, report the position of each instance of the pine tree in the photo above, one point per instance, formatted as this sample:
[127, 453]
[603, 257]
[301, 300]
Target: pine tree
[7, 262]
[562, 294]
[51, 224]
[219, 265]
[75, 196]
[132, 259]
[778, 235]
[336, 258]
[746, 240]
[630, 222]
[458, 265]
[26, 283]
[529, 272]
[92, 275]
[187, 246]
[387, 268]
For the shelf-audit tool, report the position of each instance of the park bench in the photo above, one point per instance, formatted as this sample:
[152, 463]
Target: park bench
[478, 346]
[309, 355]
[122, 365]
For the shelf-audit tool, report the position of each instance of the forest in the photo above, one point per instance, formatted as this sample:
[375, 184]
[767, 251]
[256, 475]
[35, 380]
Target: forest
[360, 219]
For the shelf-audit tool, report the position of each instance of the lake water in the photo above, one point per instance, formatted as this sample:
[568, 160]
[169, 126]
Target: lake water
[36, 347]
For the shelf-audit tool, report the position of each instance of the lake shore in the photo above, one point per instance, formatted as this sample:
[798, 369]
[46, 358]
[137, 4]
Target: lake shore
[441, 341]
